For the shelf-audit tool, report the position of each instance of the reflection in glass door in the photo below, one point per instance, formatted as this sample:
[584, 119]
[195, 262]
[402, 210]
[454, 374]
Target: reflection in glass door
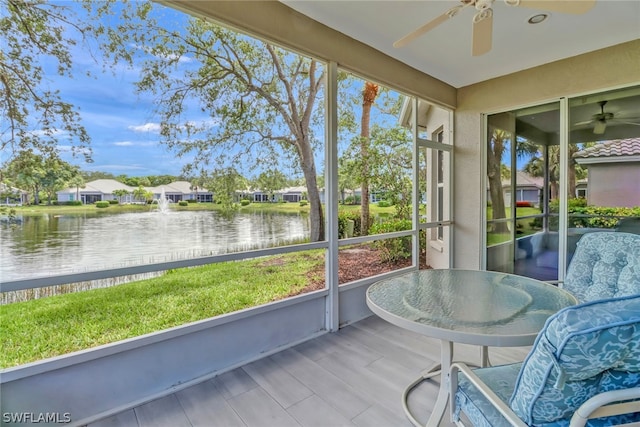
[547, 188]
[522, 191]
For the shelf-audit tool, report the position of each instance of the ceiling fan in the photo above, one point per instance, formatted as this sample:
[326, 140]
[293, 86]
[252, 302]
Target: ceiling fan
[601, 119]
[483, 18]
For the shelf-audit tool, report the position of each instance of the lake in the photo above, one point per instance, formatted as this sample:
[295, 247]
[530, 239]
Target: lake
[49, 245]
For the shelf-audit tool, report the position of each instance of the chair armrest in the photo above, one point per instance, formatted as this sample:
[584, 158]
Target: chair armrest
[493, 398]
[615, 402]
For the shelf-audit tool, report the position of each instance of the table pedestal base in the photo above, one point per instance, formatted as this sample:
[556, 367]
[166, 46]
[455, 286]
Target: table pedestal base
[440, 407]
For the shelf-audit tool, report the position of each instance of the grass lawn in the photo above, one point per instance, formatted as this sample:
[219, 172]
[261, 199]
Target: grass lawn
[523, 225]
[61, 324]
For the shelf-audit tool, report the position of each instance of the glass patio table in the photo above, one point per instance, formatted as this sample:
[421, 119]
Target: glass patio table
[483, 308]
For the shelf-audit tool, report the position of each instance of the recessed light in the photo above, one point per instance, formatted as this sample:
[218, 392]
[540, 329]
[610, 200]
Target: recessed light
[536, 19]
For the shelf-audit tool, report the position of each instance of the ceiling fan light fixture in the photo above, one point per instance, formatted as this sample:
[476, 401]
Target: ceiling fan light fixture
[538, 18]
[599, 127]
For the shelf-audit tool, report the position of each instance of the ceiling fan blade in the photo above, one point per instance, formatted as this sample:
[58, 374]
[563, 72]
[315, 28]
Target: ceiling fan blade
[420, 31]
[626, 123]
[583, 123]
[563, 6]
[482, 32]
[430, 25]
[599, 127]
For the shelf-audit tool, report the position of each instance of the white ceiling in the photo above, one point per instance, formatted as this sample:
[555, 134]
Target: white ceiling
[445, 52]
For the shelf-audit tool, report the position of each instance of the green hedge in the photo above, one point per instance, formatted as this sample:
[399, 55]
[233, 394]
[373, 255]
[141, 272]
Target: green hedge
[595, 216]
[102, 204]
[392, 250]
[183, 203]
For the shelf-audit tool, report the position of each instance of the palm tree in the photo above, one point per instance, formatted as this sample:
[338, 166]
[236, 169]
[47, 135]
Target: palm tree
[369, 95]
[495, 150]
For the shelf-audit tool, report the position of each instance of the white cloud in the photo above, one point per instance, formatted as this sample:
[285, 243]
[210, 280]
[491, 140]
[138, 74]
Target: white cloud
[147, 127]
[123, 143]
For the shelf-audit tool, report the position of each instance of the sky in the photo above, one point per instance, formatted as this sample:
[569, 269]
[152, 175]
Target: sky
[121, 122]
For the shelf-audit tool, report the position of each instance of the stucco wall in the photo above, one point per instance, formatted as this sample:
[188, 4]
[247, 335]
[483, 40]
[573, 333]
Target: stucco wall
[614, 184]
[595, 71]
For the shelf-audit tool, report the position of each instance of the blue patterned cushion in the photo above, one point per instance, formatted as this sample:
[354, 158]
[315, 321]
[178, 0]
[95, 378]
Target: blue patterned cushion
[478, 409]
[605, 265]
[581, 351]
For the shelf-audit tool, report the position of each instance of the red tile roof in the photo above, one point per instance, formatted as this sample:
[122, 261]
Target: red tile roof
[615, 148]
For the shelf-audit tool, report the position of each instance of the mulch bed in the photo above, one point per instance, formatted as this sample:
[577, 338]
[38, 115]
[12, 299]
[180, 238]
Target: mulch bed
[357, 263]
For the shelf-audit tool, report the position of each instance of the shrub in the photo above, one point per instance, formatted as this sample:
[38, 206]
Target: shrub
[191, 200]
[102, 204]
[183, 203]
[245, 202]
[355, 216]
[384, 204]
[303, 203]
[352, 200]
[396, 249]
[113, 202]
[585, 216]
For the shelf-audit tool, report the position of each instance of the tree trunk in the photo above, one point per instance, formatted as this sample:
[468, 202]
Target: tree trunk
[316, 215]
[368, 98]
[494, 156]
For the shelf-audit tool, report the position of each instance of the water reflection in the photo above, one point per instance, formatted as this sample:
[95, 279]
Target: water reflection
[57, 244]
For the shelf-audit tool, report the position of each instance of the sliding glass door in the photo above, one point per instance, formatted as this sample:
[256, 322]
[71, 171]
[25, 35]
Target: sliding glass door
[557, 171]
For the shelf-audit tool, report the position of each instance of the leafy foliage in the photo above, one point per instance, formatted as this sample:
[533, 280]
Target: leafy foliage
[395, 249]
[37, 117]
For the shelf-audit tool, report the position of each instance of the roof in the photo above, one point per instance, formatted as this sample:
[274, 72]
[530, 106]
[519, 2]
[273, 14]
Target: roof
[615, 148]
[182, 187]
[108, 186]
[523, 179]
[105, 186]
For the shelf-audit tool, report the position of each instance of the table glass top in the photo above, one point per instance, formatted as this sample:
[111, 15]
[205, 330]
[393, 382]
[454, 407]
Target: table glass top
[468, 302]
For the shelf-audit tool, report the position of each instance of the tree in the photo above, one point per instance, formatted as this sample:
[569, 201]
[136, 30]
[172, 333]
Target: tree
[369, 94]
[37, 118]
[120, 193]
[225, 183]
[390, 166]
[36, 173]
[56, 176]
[141, 194]
[271, 181]
[495, 151]
[77, 181]
[27, 170]
[260, 100]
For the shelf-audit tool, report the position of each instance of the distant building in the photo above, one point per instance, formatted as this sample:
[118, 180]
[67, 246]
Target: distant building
[613, 169]
[12, 196]
[528, 189]
[103, 189]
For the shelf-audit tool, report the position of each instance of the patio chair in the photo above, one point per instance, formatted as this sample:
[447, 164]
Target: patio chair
[606, 264]
[629, 225]
[583, 369]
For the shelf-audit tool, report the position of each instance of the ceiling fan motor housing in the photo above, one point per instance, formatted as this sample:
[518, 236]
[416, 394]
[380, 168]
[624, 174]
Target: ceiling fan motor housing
[483, 4]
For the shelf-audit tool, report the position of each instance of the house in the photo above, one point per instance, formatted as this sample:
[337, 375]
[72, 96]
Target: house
[529, 85]
[93, 191]
[12, 196]
[528, 189]
[103, 189]
[613, 169]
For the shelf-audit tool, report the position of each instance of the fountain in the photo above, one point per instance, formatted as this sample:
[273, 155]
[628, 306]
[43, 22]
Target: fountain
[162, 202]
